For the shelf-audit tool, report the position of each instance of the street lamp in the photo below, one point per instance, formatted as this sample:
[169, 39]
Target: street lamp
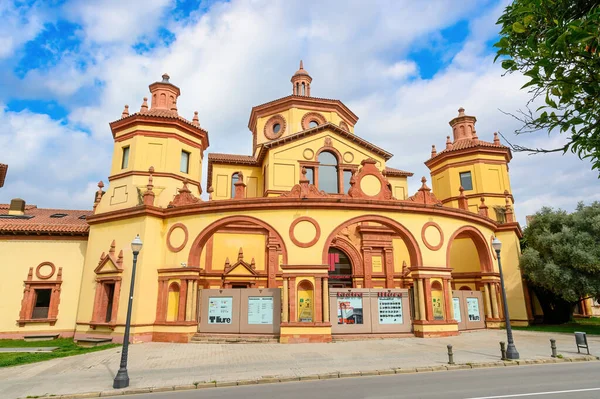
[511, 350]
[122, 378]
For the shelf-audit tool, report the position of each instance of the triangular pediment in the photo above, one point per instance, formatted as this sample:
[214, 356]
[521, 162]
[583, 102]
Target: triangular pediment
[109, 263]
[240, 268]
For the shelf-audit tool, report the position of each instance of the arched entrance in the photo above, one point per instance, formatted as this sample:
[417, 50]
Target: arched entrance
[340, 269]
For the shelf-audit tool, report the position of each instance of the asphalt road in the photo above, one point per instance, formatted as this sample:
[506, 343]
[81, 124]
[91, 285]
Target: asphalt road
[551, 381]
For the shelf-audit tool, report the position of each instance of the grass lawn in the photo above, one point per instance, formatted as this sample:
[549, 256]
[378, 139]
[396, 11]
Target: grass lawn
[590, 326]
[66, 347]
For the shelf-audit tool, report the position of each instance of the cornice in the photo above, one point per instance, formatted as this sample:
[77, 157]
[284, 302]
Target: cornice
[444, 156]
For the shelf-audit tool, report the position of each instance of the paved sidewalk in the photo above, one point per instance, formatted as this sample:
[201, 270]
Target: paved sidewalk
[167, 365]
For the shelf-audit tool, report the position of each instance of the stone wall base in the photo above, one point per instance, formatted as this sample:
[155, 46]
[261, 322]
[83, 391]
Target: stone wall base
[304, 338]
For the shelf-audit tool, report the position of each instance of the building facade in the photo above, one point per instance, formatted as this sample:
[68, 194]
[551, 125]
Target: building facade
[311, 237]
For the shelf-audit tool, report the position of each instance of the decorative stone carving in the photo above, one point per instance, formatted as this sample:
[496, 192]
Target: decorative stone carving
[304, 189]
[369, 171]
[184, 197]
[424, 195]
[251, 267]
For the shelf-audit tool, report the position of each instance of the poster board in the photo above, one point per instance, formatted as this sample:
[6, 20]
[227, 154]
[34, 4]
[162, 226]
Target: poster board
[260, 310]
[390, 310]
[220, 310]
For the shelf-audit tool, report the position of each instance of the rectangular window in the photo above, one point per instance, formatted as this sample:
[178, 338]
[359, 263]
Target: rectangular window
[125, 159]
[465, 181]
[347, 177]
[42, 304]
[310, 175]
[109, 290]
[185, 162]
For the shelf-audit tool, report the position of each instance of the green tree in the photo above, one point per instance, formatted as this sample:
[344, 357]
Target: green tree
[555, 43]
[561, 258]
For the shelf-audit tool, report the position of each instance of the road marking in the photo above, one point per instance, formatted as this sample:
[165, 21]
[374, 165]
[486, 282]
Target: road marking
[520, 395]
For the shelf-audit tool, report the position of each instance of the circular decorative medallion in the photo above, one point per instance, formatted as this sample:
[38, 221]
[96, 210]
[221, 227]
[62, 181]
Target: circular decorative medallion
[275, 127]
[348, 157]
[432, 231]
[305, 232]
[308, 154]
[312, 117]
[177, 237]
[370, 185]
[45, 270]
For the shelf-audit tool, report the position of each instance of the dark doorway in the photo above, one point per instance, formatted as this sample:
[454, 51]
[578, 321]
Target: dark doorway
[42, 304]
[340, 269]
[110, 293]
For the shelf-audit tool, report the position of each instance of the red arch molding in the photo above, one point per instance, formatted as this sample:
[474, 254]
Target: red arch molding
[202, 238]
[485, 259]
[351, 252]
[413, 247]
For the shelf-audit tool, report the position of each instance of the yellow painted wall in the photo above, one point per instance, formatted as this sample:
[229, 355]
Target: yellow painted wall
[399, 187]
[464, 257]
[227, 245]
[400, 254]
[16, 257]
[221, 180]
[512, 275]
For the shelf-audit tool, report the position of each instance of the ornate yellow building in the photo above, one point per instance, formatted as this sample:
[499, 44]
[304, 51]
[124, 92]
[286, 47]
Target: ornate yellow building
[310, 237]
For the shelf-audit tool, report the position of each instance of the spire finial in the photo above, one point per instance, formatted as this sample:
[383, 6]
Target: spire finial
[125, 112]
[496, 139]
[144, 106]
[448, 143]
[301, 65]
[433, 151]
[461, 111]
[195, 120]
[165, 78]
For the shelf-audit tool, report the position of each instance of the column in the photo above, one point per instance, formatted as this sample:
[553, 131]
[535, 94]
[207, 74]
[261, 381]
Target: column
[428, 303]
[416, 300]
[494, 296]
[325, 299]
[292, 298]
[368, 267]
[194, 296]
[286, 303]
[487, 300]
[188, 302]
[449, 303]
[182, 300]
[422, 314]
[389, 267]
[318, 300]
[159, 301]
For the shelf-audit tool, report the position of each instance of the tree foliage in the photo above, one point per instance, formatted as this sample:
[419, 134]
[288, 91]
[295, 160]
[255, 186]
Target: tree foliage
[561, 259]
[555, 43]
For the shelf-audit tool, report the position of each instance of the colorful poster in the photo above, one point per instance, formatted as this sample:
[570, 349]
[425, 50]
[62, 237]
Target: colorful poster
[220, 310]
[260, 310]
[350, 310]
[473, 309]
[305, 306]
[437, 302]
[390, 310]
[456, 304]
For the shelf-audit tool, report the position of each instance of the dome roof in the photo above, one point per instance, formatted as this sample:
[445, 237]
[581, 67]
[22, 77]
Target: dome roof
[301, 71]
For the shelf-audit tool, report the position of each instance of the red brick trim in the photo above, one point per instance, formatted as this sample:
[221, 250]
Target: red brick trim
[185, 240]
[272, 121]
[145, 133]
[439, 229]
[45, 276]
[352, 252]
[304, 338]
[311, 242]
[483, 251]
[182, 338]
[154, 174]
[312, 116]
[47, 236]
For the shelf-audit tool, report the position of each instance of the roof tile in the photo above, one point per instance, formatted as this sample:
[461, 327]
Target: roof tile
[42, 223]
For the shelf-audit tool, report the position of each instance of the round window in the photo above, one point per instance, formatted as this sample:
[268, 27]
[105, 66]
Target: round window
[276, 128]
[312, 124]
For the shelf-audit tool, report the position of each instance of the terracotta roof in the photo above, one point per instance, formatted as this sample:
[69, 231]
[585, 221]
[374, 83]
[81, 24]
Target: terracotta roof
[232, 159]
[467, 144]
[397, 172]
[40, 221]
[3, 170]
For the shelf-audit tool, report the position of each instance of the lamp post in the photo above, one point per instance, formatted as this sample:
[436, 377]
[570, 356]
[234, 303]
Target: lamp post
[511, 350]
[122, 378]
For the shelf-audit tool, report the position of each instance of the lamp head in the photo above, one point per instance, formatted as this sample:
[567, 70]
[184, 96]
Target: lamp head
[136, 244]
[496, 244]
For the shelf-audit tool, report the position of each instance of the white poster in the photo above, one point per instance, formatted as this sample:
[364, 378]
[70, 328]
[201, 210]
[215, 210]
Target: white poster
[456, 303]
[390, 310]
[473, 309]
[220, 310]
[349, 310]
[260, 310]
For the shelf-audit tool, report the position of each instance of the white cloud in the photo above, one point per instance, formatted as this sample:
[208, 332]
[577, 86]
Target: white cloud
[243, 53]
[19, 25]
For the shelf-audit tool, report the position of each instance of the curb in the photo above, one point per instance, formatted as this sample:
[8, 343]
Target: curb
[324, 376]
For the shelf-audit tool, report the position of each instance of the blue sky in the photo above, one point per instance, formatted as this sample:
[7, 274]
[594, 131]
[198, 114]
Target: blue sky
[67, 67]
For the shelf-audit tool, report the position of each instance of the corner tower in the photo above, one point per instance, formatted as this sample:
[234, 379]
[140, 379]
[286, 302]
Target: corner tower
[471, 173]
[156, 151]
